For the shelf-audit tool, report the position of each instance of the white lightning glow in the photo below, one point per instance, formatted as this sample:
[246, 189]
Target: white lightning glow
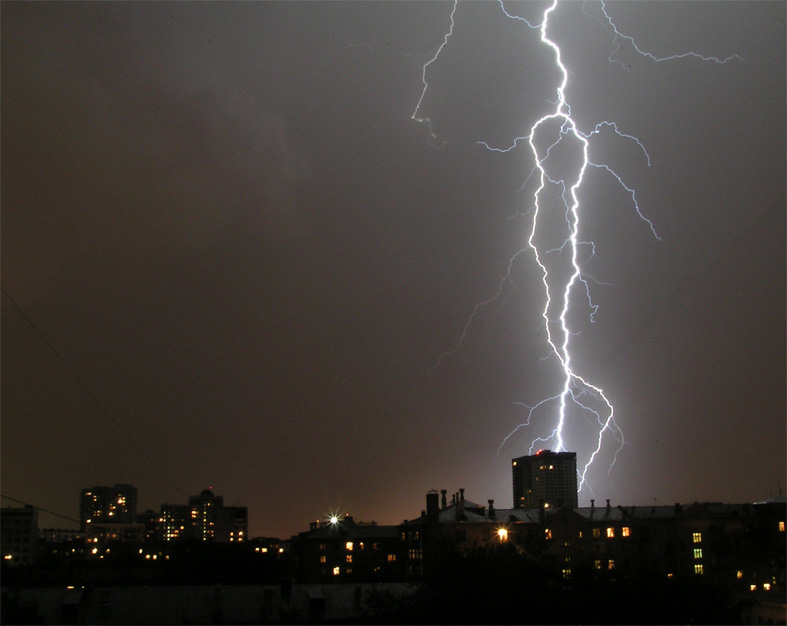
[558, 128]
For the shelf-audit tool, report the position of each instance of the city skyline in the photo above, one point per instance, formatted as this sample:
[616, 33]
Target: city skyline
[231, 258]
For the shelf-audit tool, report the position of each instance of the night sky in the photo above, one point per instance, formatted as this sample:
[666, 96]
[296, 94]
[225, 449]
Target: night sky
[231, 259]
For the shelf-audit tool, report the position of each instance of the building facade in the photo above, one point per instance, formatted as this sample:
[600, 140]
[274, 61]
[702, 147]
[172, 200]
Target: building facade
[19, 533]
[545, 479]
[343, 550]
[108, 505]
[740, 546]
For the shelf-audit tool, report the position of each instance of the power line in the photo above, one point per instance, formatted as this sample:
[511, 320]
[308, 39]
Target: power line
[87, 390]
[40, 508]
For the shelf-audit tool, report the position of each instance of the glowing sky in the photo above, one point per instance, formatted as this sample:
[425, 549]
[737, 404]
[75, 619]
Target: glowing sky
[225, 222]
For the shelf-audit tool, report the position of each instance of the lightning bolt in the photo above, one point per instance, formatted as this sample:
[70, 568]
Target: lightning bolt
[415, 116]
[558, 131]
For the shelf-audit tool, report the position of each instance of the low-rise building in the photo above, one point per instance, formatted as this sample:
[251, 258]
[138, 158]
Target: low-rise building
[343, 550]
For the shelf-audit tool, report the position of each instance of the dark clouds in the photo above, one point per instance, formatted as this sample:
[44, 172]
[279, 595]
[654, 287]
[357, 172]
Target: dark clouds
[224, 220]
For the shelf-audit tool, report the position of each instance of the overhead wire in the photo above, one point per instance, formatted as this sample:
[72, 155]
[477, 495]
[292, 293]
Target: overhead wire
[90, 393]
[40, 508]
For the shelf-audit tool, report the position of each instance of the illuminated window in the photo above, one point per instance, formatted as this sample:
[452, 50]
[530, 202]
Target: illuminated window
[696, 537]
[781, 527]
[360, 545]
[596, 533]
[698, 569]
[349, 546]
[739, 574]
[323, 559]
[349, 558]
[323, 546]
[566, 573]
[548, 533]
[336, 571]
[753, 587]
[502, 533]
[597, 564]
[391, 557]
[697, 553]
[567, 558]
[610, 533]
[625, 531]
[766, 586]
[611, 564]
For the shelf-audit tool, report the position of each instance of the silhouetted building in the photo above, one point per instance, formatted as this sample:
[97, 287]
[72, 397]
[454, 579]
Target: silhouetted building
[545, 479]
[345, 551]
[741, 546]
[738, 545]
[108, 505]
[205, 518]
[19, 532]
[463, 525]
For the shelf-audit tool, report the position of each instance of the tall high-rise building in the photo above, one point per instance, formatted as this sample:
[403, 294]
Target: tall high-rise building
[108, 505]
[19, 534]
[206, 518]
[546, 478]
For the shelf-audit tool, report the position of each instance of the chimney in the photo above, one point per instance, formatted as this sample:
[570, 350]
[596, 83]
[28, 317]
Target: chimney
[592, 506]
[678, 508]
[432, 504]
[491, 509]
[460, 510]
[442, 498]
[608, 507]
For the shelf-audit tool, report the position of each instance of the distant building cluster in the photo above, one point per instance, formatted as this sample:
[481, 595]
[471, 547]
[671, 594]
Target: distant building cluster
[205, 518]
[108, 514]
[742, 545]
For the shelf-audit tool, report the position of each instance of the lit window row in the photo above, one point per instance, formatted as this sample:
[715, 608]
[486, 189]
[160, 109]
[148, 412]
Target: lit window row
[625, 531]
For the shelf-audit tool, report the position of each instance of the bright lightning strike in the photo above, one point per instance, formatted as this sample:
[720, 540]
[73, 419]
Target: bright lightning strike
[558, 130]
